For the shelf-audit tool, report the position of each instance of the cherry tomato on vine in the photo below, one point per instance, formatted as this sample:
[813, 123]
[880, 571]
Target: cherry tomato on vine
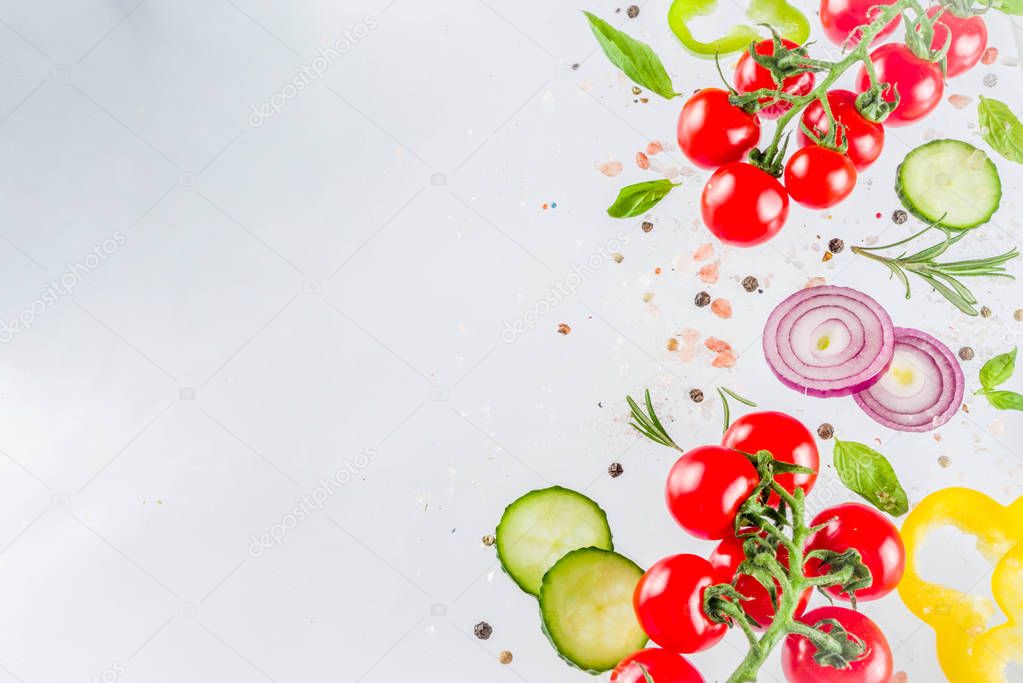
[854, 525]
[713, 132]
[920, 83]
[787, 440]
[874, 666]
[669, 604]
[819, 177]
[727, 557]
[705, 488]
[866, 137]
[840, 18]
[744, 205]
[750, 76]
[969, 39]
[663, 667]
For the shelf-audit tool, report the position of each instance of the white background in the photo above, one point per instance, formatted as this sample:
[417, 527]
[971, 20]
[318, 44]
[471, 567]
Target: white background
[336, 279]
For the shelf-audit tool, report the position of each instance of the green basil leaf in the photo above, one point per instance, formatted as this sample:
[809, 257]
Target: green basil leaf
[1000, 128]
[868, 473]
[997, 370]
[1005, 400]
[634, 57]
[635, 200]
[1009, 6]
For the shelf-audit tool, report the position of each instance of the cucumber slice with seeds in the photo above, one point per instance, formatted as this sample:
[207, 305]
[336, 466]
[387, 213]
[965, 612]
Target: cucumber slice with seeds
[540, 527]
[586, 607]
[949, 182]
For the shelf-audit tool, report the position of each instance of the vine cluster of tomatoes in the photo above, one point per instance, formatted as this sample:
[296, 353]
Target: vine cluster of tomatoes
[841, 131]
[748, 494]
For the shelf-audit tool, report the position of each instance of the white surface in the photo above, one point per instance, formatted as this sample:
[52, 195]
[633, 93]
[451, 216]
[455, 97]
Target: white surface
[331, 287]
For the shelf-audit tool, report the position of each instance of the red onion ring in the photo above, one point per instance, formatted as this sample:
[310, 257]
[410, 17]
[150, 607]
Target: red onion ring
[829, 341]
[922, 389]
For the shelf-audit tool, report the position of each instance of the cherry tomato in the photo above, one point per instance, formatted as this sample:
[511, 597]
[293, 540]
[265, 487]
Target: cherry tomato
[875, 666]
[840, 18]
[866, 137]
[969, 39]
[727, 557]
[787, 440]
[669, 604]
[744, 205]
[819, 177]
[663, 667]
[705, 488]
[920, 83]
[854, 525]
[713, 132]
[750, 76]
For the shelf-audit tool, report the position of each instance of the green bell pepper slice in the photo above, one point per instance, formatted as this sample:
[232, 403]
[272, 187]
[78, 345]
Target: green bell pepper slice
[786, 19]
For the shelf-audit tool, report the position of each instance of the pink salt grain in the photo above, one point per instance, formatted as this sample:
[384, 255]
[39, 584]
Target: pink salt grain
[710, 273]
[610, 168]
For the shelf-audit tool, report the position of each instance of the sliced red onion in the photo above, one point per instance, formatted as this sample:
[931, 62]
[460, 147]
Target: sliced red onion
[922, 388]
[829, 341]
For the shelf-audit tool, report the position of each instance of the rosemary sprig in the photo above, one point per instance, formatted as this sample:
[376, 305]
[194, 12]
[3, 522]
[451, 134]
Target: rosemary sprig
[648, 424]
[944, 278]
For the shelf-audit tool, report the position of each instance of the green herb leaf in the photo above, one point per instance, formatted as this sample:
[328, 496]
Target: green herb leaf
[1000, 127]
[1005, 400]
[1009, 6]
[634, 57]
[997, 370]
[635, 200]
[868, 473]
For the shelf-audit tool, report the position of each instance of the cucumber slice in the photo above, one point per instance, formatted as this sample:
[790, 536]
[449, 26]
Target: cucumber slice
[540, 527]
[949, 182]
[586, 607]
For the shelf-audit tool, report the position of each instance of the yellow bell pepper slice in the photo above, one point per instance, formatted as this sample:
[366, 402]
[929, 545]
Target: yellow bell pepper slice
[970, 651]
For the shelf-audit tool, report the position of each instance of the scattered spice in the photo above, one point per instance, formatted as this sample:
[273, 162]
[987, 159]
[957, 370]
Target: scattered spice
[966, 353]
[489, 540]
[633, 11]
[672, 344]
[722, 308]
[615, 469]
[702, 299]
[505, 657]
[696, 395]
[826, 431]
[563, 328]
[944, 461]
[899, 217]
[990, 80]
[835, 245]
[647, 226]
[642, 161]
[750, 283]
[483, 630]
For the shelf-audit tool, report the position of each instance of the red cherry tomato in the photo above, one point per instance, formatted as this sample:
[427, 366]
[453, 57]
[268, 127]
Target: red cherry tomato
[705, 488]
[840, 18]
[969, 39]
[663, 667]
[669, 604]
[743, 205]
[866, 137]
[819, 177]
[750, 76]
[875, 666]
[726, 559]
[713, 132]
[787, 440]
[920, 83]
[853, 525]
